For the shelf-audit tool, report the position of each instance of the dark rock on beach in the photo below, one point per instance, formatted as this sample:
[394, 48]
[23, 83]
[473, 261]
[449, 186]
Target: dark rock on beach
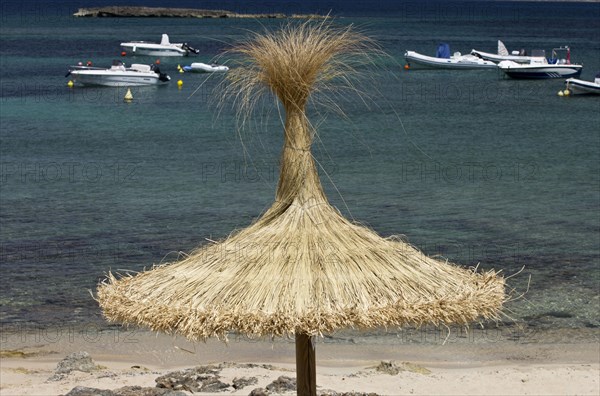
[125, 391]
[201, 379]
[198, 379]
[282, 384]
[259, 392]
[388, 367]
[76, 361]
[239, 383]
[392, 368]
[139, 391]
[85, 391]
[213, 384]
[162, 12]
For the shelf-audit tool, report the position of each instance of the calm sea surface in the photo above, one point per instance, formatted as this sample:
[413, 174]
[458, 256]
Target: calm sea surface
[466, 164]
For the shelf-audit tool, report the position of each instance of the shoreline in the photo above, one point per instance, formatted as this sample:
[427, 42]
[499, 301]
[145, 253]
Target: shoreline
[469, 368]
[168, 12]
[24, 335]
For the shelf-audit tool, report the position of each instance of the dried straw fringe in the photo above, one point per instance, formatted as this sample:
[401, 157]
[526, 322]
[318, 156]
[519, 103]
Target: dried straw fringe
[254, 285]
[301, 267]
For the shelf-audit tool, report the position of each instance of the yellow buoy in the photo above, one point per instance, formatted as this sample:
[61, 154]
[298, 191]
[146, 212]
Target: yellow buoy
[70, 84]
[128, 96]
[560, 93]
[179, 83]
[180, 69]
[567, 92]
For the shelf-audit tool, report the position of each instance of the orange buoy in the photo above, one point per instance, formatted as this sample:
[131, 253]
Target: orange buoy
[157, 62]
[123, 53]
[406, 67]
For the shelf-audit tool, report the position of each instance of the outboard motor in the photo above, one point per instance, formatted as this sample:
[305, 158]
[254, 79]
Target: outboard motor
[164, 77]
[161, 76]
[186, 47]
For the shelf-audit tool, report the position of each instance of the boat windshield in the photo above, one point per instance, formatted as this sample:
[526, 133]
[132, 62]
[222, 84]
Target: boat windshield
[561, 55]
[443, 51]
[117, 65]
[538, 53]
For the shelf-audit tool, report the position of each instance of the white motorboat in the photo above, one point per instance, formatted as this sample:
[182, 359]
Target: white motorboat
[199, 67]
[584, 87]
[503, 54]
[539, 67]
[164, 48]
[443, 60]
[118, 75]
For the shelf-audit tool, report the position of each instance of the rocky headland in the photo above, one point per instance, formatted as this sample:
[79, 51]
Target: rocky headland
[161, 12]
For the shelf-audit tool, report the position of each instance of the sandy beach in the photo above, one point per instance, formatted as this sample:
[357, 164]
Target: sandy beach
[467, 367]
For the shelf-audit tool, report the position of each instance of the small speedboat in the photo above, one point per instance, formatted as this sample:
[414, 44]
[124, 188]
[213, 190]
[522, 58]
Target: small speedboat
[443, 60]
[199, 67]
[539, 67]
[584, 87]
[164, 48]
[118, 75]
[503, 54]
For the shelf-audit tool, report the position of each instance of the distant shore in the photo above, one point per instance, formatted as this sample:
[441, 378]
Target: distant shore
[162, 12]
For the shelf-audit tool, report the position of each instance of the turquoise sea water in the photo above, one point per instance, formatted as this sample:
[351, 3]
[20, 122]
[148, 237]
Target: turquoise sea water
[467, 164]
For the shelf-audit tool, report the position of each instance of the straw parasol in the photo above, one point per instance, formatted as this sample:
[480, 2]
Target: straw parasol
[301, 269]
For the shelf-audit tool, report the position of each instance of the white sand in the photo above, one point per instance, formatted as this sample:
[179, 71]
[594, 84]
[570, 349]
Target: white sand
[461, 368]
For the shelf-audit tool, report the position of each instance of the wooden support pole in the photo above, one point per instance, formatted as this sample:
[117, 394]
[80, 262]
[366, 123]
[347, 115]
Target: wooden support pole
[306, 369]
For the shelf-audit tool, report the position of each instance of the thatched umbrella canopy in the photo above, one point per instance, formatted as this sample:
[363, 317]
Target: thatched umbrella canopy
[301, 269]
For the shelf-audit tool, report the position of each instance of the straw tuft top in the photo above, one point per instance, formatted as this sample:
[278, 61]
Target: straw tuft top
[296, 60]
